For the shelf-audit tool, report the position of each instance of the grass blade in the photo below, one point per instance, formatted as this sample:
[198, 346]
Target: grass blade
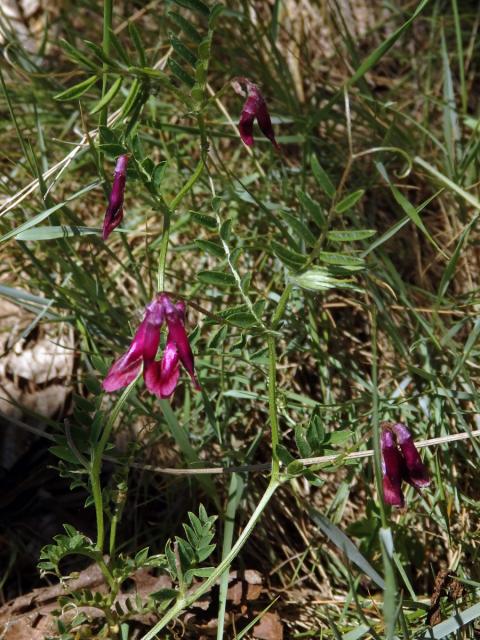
[40, 217]
[452, 624]
[344, 543]
[380, 51]
[235, 492]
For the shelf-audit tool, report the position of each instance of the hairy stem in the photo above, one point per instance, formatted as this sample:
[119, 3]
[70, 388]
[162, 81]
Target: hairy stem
[375, 419]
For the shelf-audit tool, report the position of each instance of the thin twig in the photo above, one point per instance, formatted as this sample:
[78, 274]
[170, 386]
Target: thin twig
[262, 466]
[265, 466]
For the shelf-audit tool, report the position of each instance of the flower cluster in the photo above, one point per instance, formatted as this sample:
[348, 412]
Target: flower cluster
[400, 461]
[161, 376]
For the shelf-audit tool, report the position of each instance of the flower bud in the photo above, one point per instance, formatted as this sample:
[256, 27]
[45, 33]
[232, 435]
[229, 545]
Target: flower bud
[114, 213]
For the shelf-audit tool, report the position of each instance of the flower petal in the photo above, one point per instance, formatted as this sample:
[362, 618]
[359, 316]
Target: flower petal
[161, 378]
[265, 123]
[122, 373]
[127, 367]
[392, 493]
[245, 126]
[392, 468]
[144, 346]
[178, 335]
[416, 472]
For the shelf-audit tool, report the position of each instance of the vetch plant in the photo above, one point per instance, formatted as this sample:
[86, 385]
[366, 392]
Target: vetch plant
[283, 267]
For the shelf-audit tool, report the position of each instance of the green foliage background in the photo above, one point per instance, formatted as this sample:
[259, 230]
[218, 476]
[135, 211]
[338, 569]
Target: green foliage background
[353, 252]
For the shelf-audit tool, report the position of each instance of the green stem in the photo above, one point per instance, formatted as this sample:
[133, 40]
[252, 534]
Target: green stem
[185, 602]
[120, 497]
[108, 576]
[107, 26]
[272, 403]
[97, 498]
[96, 465]
[162, 259]
[376, 421]
[103, 568]
[113, 535]
[167, 213]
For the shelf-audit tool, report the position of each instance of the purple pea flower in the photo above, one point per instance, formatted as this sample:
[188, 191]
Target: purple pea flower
[400, 464]
[416, 473]
[114, 213]
[254, 107]
[392, 469]
[161, 377]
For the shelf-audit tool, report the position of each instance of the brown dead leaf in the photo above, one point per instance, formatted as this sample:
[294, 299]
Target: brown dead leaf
[30, 616]
[269, 627]
[244, 587]
[21, 630]
[35, 375]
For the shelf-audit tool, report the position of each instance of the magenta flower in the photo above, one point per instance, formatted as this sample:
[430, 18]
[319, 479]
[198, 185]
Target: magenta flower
[416, 472]
[114, 213]
[254, 107]
[400, 464]
[392, 468]
[160, 377]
